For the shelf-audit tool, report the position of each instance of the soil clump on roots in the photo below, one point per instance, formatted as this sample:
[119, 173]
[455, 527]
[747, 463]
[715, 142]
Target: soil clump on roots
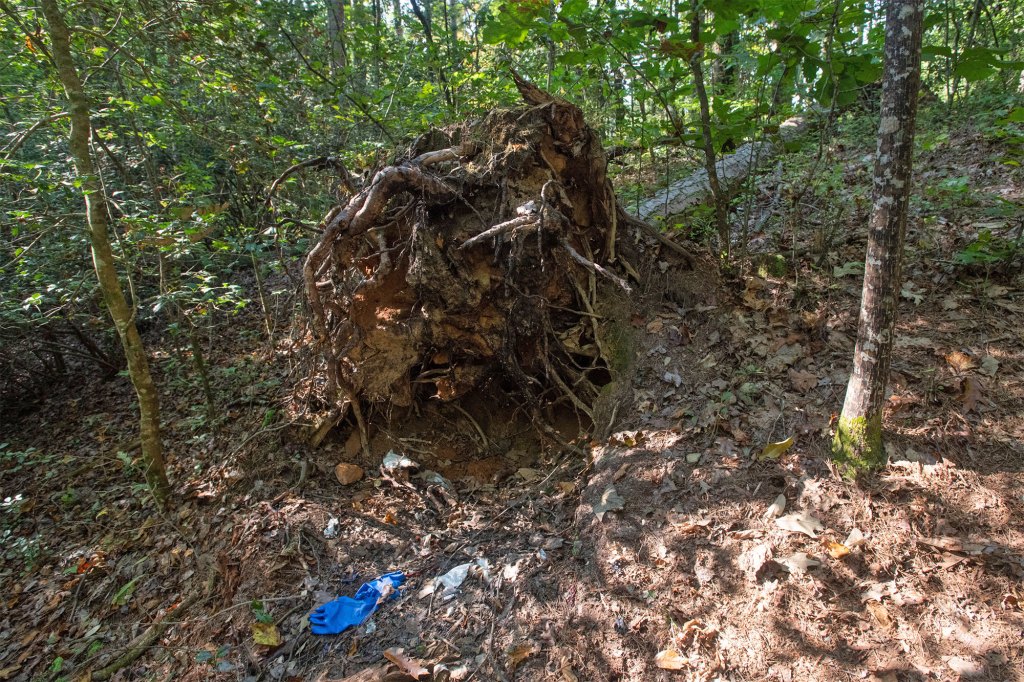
[488, 263]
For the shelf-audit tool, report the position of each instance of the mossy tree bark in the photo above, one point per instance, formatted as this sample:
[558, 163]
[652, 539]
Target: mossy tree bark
[858, 440]
[103, 256]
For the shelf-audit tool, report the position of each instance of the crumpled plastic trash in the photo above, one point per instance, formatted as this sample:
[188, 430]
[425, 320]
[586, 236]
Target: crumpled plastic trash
[449, 583]
[345, 612]
[394, 461]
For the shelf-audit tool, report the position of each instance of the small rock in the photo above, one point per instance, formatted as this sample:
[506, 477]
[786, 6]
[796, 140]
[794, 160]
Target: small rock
[348, 473]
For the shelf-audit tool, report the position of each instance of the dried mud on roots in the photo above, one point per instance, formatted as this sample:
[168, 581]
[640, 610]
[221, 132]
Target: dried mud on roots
[488, 257]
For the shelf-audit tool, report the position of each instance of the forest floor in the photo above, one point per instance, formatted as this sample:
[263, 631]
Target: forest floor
[689, 573]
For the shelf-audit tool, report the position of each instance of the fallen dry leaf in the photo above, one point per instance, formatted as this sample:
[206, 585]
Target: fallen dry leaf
[803, 381]
[811, 319]
[908, 596]
[880, 613]
[565, 669]
[996, 290]
[682, 523]
[753, 561]
[408, 666]
[610, 501]
[520, 653]
[960, 362]
[775, 450]
[837, 550]
[855, 539]
[670, 659]
[266, 634]
[751, 300]
[967, 667]
[989, 366]
[628, 438]
[970, 389]
[776, 508]
[799, 562]
[620, 472]
[747, 533]
[801, 522]
[948, 543]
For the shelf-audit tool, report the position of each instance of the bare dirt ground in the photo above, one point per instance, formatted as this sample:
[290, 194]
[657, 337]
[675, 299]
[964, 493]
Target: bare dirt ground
[652, 556]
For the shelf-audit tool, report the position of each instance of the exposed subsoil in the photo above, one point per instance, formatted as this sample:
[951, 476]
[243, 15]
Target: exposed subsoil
[683, 569]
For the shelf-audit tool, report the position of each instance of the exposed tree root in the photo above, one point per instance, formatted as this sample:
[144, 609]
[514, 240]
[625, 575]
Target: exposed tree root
[146, 639]
[487, 256]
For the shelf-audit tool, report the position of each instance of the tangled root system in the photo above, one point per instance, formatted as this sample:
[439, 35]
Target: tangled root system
[488, 253]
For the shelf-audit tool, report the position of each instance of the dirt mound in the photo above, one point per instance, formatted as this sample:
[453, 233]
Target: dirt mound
[486, 262]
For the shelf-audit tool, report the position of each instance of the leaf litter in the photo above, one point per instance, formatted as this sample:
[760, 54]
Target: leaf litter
[927, 543]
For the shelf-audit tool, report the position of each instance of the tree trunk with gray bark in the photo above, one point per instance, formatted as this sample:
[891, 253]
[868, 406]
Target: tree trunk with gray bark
[858, 441]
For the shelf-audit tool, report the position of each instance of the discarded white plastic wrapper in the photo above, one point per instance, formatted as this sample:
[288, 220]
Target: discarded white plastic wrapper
[485, 569]
[331, 531]
[450, 581]
[436, 479]
[393, 461]
[453, 579]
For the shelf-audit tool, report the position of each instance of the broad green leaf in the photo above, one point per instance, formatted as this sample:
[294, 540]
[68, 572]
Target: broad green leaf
[1015, 116]
[973, 70]
[125, 593]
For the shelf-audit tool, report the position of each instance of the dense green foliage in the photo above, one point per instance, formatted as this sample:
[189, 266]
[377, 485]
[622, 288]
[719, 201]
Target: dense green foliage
[198, 107]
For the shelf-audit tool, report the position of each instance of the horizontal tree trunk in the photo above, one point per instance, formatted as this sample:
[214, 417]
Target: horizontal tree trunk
[732, 170]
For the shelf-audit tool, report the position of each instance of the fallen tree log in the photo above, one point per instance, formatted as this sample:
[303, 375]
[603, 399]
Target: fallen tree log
[732, 171]
[489, 256]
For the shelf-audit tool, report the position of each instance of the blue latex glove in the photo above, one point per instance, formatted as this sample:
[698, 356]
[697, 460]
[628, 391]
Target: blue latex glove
[345, 612]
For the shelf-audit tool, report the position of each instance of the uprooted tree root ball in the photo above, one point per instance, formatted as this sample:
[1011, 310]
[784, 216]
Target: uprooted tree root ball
[489, 255]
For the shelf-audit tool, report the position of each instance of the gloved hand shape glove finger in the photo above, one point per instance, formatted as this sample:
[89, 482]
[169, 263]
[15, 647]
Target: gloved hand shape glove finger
[339, 615]
[345, 612]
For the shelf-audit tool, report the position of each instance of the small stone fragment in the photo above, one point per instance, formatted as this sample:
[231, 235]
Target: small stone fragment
[348, 473]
